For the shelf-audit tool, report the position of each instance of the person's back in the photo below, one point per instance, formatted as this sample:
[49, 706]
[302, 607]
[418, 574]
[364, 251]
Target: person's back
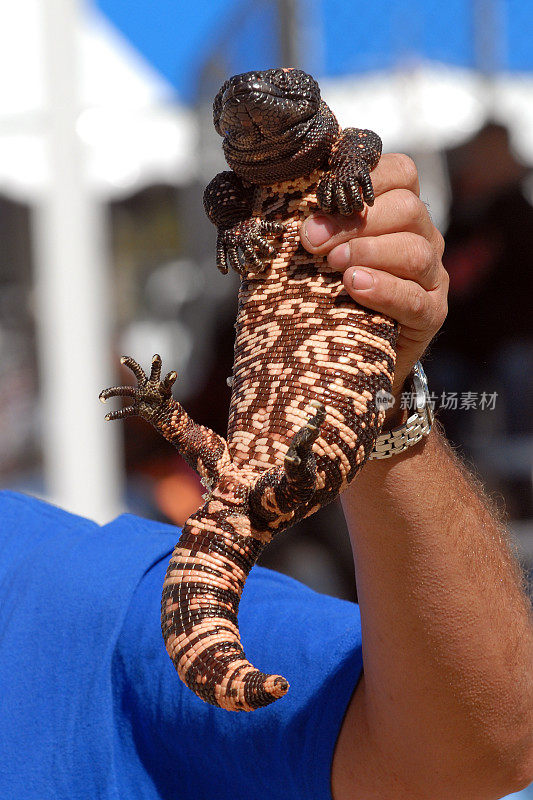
[91, 706]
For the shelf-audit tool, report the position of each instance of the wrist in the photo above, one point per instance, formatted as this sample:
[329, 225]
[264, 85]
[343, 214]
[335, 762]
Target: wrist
[395, 415]
[399, 431]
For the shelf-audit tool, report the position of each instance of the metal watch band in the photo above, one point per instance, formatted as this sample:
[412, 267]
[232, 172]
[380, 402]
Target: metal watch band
[418, 425]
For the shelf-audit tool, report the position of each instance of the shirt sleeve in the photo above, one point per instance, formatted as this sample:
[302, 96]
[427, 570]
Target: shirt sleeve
[282, 751]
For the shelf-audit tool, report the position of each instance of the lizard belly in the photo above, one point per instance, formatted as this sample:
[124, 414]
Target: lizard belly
[300, 337]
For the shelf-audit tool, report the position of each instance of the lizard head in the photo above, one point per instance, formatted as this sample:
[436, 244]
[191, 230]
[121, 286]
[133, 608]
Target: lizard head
[265, 118]
[262, 105]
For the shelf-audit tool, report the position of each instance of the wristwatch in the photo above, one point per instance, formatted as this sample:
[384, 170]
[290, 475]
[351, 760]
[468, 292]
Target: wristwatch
[418, 425]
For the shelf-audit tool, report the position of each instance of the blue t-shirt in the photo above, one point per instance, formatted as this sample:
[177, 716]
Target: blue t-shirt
[91, 707]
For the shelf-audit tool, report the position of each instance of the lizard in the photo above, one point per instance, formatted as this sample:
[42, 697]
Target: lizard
[308, 363]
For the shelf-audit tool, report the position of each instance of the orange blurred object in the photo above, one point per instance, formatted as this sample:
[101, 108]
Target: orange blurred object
[178, 495]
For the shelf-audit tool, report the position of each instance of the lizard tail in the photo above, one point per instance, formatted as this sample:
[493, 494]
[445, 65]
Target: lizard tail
[201, 594]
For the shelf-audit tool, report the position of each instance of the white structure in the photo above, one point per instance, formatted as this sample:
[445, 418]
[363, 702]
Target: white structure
[82, 119]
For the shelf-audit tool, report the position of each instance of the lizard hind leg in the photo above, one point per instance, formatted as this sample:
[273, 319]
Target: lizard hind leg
[151, 399]
[281, 491]
[300, 452]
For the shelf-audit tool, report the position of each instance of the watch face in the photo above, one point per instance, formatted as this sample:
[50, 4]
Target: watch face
[420, 392]
[420, 384]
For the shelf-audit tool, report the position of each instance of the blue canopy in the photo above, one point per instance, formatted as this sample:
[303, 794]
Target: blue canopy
[337, 37]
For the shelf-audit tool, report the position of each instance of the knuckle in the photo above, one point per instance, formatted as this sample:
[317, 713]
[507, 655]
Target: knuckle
[440, 314]
[439, 243]
[407, 168]
[417, 301]
[363, 251]
[419, 307]
[410, 208]
[419, 257]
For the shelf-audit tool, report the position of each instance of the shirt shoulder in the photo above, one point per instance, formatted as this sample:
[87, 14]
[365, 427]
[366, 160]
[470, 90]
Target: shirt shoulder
[65, 587]
[35, 529]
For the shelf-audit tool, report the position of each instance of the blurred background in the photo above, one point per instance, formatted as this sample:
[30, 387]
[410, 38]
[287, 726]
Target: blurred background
[106, 145]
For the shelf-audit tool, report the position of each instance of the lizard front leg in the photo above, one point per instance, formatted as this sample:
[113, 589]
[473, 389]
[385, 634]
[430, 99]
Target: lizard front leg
[203, 449]
[242, 242]
[347, 185]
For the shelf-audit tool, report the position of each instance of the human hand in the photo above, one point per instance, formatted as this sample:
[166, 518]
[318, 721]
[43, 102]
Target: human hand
[395, 253]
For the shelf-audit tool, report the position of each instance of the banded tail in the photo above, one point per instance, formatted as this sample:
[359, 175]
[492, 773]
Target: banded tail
[220, 542]
[205, 578]
[201, 595]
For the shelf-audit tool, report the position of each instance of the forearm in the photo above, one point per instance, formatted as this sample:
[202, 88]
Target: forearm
[444, 709]
[447, 637]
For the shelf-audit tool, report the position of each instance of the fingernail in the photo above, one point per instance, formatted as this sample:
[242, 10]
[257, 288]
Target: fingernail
[361, 279]
[317, 230]
[339, 257]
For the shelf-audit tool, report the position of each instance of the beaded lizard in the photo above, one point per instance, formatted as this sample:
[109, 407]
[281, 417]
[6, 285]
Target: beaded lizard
[308, 364]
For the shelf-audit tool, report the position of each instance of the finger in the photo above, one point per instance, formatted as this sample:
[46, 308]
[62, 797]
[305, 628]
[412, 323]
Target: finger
[170, 380]
[251, 258]
[273, 228]
[135, 368]
[416, 309]
[395, 171]
[221, 257]
[117, 391]
[325, 193]
[367, 187]
[393, 212]
[155, 372]
[405, 255]
[264, 247]
[123, 412]
[233, 259]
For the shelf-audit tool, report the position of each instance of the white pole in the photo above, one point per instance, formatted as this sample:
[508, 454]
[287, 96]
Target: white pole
[82, 469]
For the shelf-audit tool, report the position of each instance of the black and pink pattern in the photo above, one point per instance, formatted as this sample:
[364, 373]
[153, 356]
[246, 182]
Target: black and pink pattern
[308, 364]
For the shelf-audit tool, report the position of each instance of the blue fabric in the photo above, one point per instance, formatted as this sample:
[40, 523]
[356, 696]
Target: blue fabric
[90, 704]
[525, 794]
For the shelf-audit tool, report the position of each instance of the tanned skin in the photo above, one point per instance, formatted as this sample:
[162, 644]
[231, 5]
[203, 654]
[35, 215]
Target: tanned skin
[444, 710]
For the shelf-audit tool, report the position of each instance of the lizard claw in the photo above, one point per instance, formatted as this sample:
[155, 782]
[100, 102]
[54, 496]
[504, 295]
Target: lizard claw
[149, 396]
[303, 439]
[347, 186]
[345, 190]
[244, 247]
